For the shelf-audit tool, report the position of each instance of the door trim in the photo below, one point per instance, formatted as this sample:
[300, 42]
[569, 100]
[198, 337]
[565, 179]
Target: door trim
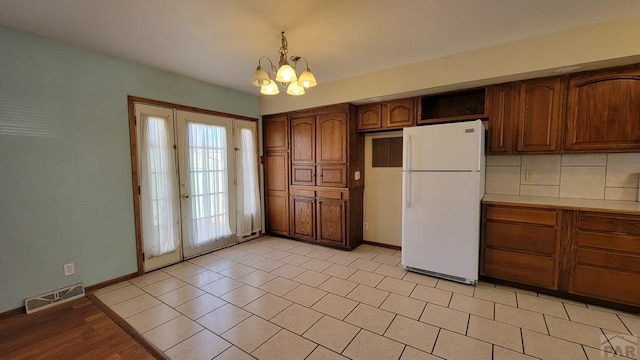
[131, 100]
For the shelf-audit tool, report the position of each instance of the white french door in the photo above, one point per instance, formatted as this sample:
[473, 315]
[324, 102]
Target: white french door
[206, 182]
[158, 181]
[199, 186]
[247, 182]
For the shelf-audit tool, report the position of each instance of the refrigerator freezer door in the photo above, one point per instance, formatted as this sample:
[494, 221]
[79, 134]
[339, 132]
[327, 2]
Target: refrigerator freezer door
[456, 146]
[440, 223]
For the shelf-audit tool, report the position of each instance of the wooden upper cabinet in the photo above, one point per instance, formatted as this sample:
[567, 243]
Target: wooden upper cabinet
[501, 104]
[331, 138]
[394, 114]
[603, 112]
[276, 132]
[370, 117]
[398, 113]
[539, 115]
[303, 135]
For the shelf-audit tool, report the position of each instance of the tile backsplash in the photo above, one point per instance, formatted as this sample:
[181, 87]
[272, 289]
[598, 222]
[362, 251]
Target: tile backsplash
[584, 176]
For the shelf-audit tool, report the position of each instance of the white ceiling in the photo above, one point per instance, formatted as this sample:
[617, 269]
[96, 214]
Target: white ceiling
[220, 41]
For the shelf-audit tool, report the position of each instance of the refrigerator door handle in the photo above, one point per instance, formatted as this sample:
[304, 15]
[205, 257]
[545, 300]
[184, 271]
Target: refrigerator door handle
[407, 200]
[407, 159]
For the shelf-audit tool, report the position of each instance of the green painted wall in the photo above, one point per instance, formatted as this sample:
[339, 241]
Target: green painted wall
[65, 169]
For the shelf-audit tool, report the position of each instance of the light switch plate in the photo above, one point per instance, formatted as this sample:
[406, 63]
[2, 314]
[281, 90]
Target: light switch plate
[356, 175]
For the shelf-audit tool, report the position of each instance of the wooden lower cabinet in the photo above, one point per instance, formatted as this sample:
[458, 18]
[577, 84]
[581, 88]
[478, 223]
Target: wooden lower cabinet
[605, 261]
[326, 217]
[521, 245]
[331, 221]
[277, 210]
[594, 256]
[303, 215]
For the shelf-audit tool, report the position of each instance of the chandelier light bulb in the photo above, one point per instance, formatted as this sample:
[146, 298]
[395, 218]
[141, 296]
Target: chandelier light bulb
[307, 79]
[286, 74]
[270, 89]
[295, 89]
[260, 77]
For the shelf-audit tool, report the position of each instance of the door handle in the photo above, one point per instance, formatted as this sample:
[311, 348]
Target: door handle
[407, 190]
[184, 196]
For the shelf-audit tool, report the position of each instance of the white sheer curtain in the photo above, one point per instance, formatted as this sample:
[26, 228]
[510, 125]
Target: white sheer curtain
[250, 220]
[158, 179]
[207, 170]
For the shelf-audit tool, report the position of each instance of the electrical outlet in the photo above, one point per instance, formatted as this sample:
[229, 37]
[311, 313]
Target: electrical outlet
[366, 226]
[529, 176]
[69, 269]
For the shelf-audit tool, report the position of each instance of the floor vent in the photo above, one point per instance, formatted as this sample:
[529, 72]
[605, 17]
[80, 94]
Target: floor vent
[47, 300]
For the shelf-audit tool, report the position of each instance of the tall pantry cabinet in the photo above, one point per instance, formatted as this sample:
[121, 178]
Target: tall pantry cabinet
[314, 159]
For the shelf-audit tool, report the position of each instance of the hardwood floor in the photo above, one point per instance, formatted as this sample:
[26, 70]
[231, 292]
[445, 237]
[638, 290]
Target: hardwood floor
[76, 330]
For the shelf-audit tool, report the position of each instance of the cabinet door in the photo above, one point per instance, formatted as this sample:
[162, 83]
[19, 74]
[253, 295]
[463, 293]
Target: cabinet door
[303, 175]
[277, 208]
[276, 169]
[331, 138]
[398, 113]
[331, 221]
[603, 112]
[539, 115]
[370, 117]
[303, 134]
[303, 214]
[501, 106]
[332, 175]
[276, 132]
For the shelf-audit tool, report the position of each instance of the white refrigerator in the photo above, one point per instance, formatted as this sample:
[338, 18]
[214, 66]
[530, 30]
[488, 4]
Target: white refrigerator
[443, 184]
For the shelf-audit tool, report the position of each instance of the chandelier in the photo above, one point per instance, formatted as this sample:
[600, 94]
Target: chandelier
[285, 74]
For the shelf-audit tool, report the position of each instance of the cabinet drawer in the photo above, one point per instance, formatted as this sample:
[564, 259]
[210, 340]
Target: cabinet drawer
[609, 241]
[609, 223]
[610, 260]
[537, 239]
[519, 267]
[606, 284]
[530, 216]
[296, 191]
[329, 194]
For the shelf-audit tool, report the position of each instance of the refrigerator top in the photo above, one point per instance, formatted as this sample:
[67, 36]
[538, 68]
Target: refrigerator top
[444, 147]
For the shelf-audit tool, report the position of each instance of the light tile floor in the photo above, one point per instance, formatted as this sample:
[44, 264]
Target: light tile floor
[274, 298]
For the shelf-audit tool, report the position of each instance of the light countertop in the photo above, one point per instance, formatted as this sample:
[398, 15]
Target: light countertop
[613, 206]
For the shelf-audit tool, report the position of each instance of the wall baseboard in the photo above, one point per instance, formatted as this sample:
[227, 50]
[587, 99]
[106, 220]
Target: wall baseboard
[92, 288]
[12, 312]
[394, 247]
[88, 289]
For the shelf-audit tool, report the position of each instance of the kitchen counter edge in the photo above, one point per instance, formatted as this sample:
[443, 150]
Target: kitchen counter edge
[609, 206]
